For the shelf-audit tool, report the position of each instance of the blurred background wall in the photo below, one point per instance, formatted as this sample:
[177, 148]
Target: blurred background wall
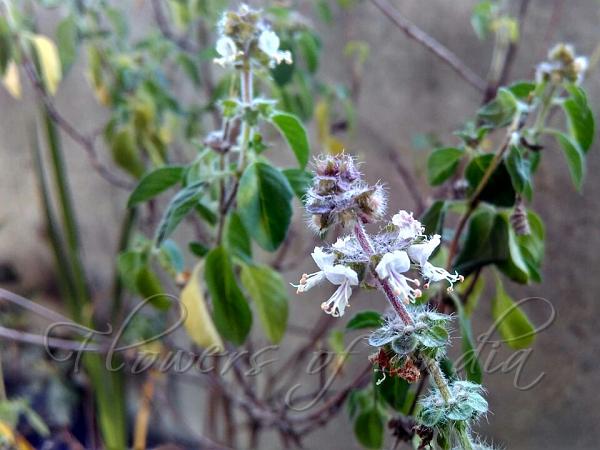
[405, 92]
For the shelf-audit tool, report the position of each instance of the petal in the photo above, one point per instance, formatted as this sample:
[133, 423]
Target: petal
[420, 253]
[396, 261]
[338, 274]
[322, 259]
[268, 42]
[226, 47]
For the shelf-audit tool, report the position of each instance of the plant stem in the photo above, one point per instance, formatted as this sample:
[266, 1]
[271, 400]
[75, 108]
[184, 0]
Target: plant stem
[2, 387]
[540, 120]
[397, 304]
[124, 238]
[463, 436]
[432, 365]
[246, 94]
[475, 198]
[438, 377]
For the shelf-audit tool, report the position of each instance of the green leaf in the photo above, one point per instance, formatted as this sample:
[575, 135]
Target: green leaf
[66, 38]
[513, 265]
[481, 18]
[171, 257]
[469, 357]
[154, 183]
[294, 133]
[5, 46]
[310, 48]
[198, 249]
[433, 337]
[499, 190]
[532, 246]
[237, 240]
[231, 313]
[522, 89]
[179, 206]
[368, 428]
[299, 179]
[129, 264]
[486, 242]
[575, 158]
[267, 288]
[519, 169]
[433, 218]
[264, 198]
[430, 416]
[513, 325]
[149, 287]
[500, 111]
[442, 164]
[394, 391]
[459, 411]
[580, 117]
[365, 319]
[125, 152]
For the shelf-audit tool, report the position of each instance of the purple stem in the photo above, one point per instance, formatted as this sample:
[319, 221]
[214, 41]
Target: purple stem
[365, 244]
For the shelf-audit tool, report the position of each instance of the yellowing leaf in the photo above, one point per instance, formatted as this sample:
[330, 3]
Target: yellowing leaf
[49, 62]
[23, 444]
[6, 433]
[11, 80]
[198, 322]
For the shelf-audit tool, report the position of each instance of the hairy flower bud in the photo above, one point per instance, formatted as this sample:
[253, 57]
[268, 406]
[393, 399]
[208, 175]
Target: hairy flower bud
[246, 37]
[338, 195]
[563, 64]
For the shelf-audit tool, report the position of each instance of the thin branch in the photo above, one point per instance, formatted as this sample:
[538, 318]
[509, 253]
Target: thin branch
[434, 46]
[513, 47]
[46, 341]
[501, 77]
[165, 28]
[87, 143]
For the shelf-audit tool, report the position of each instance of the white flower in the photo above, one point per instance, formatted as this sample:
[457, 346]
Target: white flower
[544, 70]
[227, 48]
[391, 267]
[435, 274]
[344, 277]
[337, 274]
[323, 260]
[268, 43]
[580, 65]
[408, 227]
[420, 253]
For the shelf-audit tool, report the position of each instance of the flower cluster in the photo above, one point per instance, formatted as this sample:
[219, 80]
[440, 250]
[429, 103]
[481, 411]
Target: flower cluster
[339, 196]
[245, 34]
[562, 64]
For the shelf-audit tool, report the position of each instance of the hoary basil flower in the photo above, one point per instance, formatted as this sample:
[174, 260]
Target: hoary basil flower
[420, 253]
[268, 43]
[434, 274]
[391, 267]
[323, 260]
[336, 274]
[344, 277]
[562, 64]
[408, 227]
[227, 48]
